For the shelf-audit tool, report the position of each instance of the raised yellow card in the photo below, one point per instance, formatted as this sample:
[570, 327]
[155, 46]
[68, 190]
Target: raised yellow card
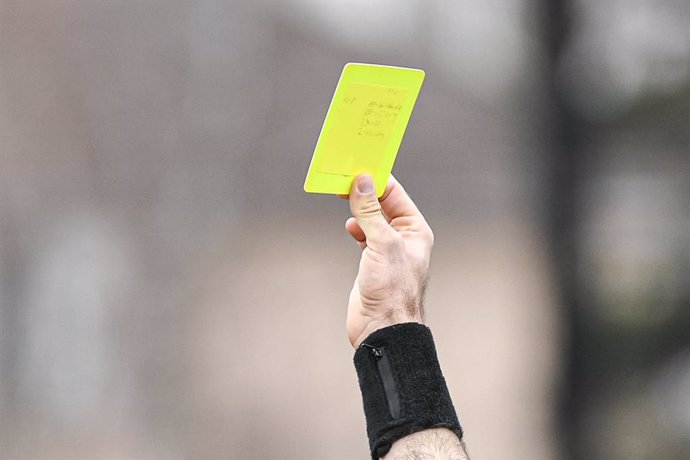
[364, 127]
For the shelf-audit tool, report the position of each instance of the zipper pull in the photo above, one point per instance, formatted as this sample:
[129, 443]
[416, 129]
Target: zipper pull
[375, 351]
[386, 374]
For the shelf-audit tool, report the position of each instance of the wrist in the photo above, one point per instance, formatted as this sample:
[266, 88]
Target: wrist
[376, 325]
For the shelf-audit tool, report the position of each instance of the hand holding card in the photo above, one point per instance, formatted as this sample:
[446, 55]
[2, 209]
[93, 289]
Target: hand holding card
[364, 127]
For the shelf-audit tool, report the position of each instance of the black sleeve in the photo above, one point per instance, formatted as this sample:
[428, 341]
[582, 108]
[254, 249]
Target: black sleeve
[402, 386]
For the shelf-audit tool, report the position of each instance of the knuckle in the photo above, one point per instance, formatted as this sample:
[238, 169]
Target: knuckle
[427, 235]
[430, 236]
[369, 208]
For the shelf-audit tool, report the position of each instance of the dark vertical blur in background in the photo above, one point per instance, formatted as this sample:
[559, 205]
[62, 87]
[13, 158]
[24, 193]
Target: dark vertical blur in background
[619, 215]
[168, 291]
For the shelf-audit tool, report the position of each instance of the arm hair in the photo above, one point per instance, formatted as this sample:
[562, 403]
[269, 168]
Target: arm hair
[431, 444]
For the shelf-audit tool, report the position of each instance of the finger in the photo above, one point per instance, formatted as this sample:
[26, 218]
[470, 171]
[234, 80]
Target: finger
[355, 230]
[366, 209]
[395, 202]
[343, 197]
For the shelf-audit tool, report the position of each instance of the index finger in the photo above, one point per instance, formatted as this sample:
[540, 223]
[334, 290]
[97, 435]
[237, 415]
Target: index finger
[395, 202]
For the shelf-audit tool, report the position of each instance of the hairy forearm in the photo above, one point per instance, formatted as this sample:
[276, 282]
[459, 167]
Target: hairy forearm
[429, 444]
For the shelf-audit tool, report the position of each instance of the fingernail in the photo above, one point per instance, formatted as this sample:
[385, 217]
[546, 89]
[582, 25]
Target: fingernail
[365, 184]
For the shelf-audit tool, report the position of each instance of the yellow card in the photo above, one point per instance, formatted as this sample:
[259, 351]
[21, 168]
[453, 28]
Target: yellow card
[364, 127]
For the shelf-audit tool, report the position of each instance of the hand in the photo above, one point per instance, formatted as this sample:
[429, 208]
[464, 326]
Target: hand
[396, 245]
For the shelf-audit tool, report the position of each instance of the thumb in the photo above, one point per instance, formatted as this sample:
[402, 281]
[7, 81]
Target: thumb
[365, 207]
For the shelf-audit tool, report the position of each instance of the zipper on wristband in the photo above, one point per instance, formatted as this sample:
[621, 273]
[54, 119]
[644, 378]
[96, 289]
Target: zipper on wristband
[386, 373]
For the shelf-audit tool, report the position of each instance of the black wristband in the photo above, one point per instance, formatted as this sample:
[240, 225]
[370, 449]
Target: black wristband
[402, 386]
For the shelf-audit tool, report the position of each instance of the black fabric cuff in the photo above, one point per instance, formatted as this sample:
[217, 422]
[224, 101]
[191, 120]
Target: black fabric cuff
[402, 386]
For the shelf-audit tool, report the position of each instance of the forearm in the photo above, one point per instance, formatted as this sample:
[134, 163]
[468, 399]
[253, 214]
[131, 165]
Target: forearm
[429, 444]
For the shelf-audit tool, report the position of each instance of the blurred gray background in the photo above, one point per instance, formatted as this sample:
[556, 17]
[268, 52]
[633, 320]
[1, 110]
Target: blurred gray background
[168, 291]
